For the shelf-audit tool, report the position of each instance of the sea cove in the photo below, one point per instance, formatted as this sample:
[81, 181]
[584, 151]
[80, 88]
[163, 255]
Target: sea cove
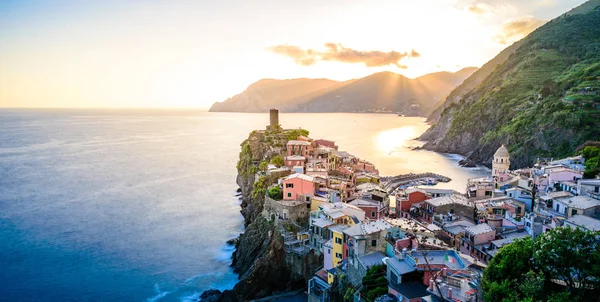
[138, 204]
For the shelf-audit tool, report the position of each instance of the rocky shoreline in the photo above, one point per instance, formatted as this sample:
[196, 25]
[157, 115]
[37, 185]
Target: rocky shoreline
[263, 266]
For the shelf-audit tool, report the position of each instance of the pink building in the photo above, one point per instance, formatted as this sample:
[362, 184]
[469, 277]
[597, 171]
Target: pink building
[366, 166]
[298, 187]
[294, 160]
[475, 239]
[558, 174]
[326, 143]
[299, 148]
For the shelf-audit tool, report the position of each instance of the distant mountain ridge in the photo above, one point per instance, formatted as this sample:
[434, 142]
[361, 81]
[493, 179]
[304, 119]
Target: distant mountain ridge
[379, 92]
[540, 96]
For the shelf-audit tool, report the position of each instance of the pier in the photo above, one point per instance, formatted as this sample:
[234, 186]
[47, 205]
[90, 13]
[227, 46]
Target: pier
[391, 183]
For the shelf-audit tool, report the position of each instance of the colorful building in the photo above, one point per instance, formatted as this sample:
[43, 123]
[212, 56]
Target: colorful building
[298, 187]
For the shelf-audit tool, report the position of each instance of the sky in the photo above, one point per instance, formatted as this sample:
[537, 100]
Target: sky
[181, 54]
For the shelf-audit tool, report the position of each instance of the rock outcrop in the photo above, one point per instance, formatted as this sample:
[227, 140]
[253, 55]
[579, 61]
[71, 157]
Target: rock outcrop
[263, 265]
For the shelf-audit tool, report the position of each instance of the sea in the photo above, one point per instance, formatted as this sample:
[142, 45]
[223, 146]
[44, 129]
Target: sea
[137, 205]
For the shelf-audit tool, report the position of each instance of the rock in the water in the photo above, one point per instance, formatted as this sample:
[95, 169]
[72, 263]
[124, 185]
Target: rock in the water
[466, 163]
[211, 295]
[233, 241]
[228, 296]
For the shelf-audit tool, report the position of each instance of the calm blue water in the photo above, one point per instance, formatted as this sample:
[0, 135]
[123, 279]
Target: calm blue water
[136, 205]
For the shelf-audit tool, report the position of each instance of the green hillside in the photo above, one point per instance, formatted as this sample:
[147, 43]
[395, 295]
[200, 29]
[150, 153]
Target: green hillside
[544, 100]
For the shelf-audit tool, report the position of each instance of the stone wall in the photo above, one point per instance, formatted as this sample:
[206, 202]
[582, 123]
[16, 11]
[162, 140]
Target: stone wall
[285, 209]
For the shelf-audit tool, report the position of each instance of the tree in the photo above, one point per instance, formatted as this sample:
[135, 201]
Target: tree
[277, 160]
[263, 166]
[571, 255]
[293, 134]
[591, 153]
[276, 193]
[564, 262]
[507, 270]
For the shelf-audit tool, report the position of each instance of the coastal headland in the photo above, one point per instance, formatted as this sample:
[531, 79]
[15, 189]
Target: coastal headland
[285, 178]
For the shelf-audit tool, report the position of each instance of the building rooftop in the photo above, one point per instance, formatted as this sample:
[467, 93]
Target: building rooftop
[585, 222]
[297, 142]
[338, 228]
[448, 258]
[301, 176]
[364, 201]
[413, 190]
[501, 152]
[455, 230]
[554, 195]
[593, 182]
[401, 266]
[502, 242]
[322, 222]
[479, 229]
[371, 259]
[480, 180]
[366, 228]
[406, 224]
[450, 199]
[437, 190]
[582, 202]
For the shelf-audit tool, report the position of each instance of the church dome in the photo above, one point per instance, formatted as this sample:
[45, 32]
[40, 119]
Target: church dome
[501, 152]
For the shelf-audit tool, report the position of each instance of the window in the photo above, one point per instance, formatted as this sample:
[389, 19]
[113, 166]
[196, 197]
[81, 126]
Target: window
[338, 240]
[289, 194]
[374, 242]
[373, 214]
[289, 185]
[394, 278]
[346, 253]
[338, 255]
[307, 198]
[328, 251]
[502, 160]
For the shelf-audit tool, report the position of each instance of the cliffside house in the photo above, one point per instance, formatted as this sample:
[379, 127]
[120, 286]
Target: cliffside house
[411, 197]
[298, 186]
[374, 209]
[577, 205]
[482, 187]
[292, 161]
[476, 240]
[453, 204]
[298, 148]
[589, 187]
[412, 273]
[326, 143]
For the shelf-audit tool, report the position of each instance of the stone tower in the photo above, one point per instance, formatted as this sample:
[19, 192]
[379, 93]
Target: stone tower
[274, 118]
[501, 162]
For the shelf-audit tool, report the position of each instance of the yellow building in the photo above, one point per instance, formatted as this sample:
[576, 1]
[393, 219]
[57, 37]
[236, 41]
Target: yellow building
[337, 243]
[316, 202]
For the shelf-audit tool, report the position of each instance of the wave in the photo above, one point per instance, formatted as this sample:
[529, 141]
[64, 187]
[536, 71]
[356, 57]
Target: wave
[159, 294]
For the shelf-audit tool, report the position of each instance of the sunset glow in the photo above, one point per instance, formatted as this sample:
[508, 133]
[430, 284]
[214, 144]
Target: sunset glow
[194, 53]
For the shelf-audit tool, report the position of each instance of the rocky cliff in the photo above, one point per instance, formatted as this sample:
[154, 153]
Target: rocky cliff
[260, 259]
[540, 97]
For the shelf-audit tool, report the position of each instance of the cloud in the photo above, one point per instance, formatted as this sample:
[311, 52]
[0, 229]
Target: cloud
[517, 29]
[476, 9]
[339, 53]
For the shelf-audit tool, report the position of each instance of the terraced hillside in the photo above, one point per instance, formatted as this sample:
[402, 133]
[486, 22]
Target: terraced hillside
[543, 100]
